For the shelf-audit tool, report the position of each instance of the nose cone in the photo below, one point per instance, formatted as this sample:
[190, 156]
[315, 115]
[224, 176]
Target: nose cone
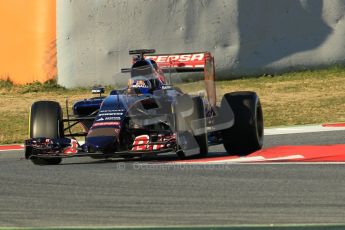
[102, 139]
[102, 144]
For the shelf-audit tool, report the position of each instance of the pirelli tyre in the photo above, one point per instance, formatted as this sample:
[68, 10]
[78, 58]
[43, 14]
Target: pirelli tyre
[246, 134]
[45, 121]
[190, 123]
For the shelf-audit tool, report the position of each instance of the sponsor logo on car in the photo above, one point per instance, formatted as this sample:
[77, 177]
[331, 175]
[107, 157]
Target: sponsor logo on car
[113, 118]
[179, 60]
[109, 118]
[142, 143]
[112, 110]
[109, 114]
[105, 124]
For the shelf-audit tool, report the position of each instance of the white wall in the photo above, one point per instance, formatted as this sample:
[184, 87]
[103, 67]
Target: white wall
[245, 36]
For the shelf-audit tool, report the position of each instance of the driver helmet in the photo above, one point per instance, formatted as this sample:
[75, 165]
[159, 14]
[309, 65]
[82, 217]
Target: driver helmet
[147, 69]
[140, 86]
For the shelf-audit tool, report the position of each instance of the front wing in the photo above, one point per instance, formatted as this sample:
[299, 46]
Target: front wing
[68, 148]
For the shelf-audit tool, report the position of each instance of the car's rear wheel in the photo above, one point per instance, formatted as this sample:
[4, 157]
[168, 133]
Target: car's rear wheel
[190, 126]
[246, 135]
[46, 121]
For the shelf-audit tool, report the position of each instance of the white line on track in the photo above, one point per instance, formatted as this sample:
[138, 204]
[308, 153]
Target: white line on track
[301, 129]
[240, 160]
[295, 163]
[7, 150]
[141, 164]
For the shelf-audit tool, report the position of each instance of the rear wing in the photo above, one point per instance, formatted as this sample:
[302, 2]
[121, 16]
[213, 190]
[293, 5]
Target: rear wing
[183, 63]
[190, 62]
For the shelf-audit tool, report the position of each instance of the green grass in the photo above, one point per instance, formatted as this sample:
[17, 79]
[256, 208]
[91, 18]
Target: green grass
[306, 97]
[36, 86]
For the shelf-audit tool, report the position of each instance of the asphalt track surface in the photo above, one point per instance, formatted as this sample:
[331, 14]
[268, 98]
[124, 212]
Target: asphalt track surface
[87, 192]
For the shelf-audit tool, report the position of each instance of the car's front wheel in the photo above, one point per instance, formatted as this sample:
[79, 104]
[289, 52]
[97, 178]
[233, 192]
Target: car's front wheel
[46, 121]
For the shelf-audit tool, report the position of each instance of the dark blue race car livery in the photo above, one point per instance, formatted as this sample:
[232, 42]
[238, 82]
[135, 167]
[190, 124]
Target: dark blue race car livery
[149, 116]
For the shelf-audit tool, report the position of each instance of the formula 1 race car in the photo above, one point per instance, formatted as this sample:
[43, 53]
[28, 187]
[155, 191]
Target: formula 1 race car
[149, 116]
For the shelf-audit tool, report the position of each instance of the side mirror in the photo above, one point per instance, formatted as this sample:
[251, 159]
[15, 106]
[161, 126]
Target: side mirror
[98, 90]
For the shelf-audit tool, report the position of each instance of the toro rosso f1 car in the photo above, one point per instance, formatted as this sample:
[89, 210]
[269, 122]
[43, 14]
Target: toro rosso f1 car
[149, 116]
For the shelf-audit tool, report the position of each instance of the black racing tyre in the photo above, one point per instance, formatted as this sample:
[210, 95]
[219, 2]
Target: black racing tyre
[190, 110]
[246, 135]
[46, 120]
